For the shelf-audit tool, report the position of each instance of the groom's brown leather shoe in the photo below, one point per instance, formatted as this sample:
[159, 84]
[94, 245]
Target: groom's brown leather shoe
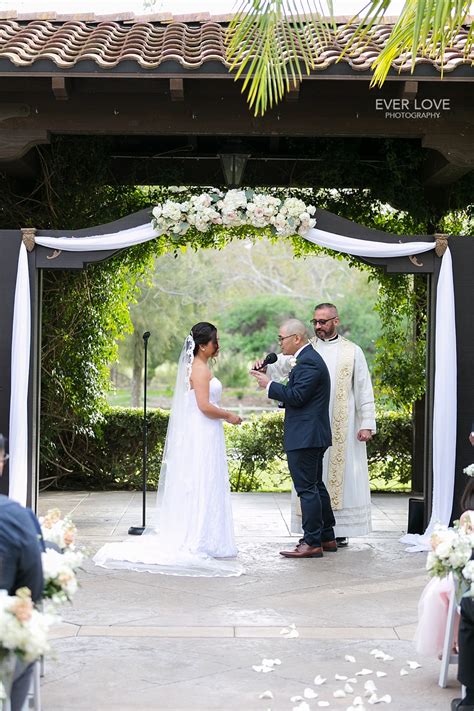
[302, 550]
[329, 546]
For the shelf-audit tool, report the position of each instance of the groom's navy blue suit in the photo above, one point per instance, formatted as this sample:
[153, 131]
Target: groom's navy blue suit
[307, 435]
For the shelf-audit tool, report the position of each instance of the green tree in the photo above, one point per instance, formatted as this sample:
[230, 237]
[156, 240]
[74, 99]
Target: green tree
[251, 326]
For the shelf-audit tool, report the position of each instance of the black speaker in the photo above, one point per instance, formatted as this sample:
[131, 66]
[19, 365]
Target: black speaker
[416, 515]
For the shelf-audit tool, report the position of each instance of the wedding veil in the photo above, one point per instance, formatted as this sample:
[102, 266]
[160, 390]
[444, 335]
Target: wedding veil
[174, 451]
[168, 545]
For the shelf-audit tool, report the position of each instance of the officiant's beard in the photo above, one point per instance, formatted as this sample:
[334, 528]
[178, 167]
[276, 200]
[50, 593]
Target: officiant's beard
[325, 335]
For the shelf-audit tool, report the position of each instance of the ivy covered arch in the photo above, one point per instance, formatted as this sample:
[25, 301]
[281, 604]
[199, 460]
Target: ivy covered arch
[212, 215]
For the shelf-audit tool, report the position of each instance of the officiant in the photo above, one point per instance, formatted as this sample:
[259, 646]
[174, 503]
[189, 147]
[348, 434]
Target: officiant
[352, 414]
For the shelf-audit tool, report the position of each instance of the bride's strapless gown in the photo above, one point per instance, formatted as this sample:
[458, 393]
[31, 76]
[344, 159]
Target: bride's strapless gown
[194, 533]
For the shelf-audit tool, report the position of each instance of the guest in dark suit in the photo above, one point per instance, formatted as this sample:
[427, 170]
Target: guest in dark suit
[307, 435]
[20, 566]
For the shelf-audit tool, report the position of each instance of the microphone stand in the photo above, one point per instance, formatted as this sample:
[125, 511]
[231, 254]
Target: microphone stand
[138, 530]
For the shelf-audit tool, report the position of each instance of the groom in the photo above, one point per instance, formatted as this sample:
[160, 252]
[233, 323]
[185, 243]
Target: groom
[307, 435]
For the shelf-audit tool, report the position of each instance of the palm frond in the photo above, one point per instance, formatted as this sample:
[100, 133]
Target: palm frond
[424, 27]
[271, 43]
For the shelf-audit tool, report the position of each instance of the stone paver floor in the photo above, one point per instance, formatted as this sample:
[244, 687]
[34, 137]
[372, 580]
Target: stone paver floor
[144, 641]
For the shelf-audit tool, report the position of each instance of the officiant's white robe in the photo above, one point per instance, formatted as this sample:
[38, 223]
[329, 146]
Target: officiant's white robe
[351, 409]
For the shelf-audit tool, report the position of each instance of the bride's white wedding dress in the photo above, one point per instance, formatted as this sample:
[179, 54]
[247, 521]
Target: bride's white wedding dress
[193, 532]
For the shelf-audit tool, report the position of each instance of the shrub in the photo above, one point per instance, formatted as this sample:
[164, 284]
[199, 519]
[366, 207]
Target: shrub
[389, 453]
[113, 459]
[255, 452]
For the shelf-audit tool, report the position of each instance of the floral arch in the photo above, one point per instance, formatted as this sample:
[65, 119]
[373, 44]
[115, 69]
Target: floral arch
[216, 210]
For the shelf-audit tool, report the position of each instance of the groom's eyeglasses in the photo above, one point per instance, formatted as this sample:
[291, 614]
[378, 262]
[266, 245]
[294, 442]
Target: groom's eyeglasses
[283, 338]
[322, 321]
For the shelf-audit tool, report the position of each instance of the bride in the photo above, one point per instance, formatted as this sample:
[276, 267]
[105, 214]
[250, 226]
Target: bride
[192, 532]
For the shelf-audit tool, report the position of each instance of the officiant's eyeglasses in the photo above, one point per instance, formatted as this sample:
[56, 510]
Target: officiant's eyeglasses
[322, 321]
[283, 338]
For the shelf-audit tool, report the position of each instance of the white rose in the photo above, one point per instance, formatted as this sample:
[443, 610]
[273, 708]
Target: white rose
[468, 570]
[443, 550]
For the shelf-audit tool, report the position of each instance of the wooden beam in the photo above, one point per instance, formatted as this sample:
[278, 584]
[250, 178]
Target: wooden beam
[409, 90]
[60, 87]
[177, 89]
[452, 156]
[293, 93]
[8, 111]
[15, 144]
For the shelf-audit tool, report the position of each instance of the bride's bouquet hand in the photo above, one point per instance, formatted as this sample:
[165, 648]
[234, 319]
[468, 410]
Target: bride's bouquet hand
[233, 419]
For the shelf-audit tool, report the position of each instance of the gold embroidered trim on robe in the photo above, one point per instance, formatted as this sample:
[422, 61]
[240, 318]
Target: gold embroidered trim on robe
[340, 414]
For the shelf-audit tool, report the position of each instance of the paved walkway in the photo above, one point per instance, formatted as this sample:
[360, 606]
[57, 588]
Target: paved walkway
[144, 641]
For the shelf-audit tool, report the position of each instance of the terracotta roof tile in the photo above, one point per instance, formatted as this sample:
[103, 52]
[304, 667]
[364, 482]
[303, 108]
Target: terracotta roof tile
[152, 40]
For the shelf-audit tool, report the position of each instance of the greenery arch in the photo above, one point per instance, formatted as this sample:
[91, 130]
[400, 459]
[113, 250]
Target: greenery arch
[84, 312]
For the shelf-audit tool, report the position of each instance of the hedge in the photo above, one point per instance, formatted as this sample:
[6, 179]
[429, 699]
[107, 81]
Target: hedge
[113, 459]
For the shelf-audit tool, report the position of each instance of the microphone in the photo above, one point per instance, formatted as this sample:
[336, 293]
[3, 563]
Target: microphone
[270, 358]
[146, 335]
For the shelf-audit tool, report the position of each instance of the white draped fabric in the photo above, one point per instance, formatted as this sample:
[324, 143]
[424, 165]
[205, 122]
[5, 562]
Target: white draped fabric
[18, 434]
[444, 423]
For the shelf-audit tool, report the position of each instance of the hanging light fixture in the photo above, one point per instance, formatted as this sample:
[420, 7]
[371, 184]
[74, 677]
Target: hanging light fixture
[233, 167]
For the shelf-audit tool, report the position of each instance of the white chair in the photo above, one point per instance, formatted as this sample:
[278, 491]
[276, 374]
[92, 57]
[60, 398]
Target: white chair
[448, 657]
[33, 700]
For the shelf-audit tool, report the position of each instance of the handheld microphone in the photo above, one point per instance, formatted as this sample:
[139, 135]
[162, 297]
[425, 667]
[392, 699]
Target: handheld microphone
[146, 335]
[270, 358]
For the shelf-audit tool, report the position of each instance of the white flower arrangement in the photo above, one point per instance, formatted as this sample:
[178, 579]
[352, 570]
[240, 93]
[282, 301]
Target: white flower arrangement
[59, 571]
[235, 208]
[451, 552]
[23, 629]
[469, 470]
[60, 531]
[292, 362]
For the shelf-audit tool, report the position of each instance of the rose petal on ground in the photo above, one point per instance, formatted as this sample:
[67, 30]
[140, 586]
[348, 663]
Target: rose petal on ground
[277, 661]
[414, 665]
[364, 672]
[318, 680]
[268, 662]
[376, 651]
[285, 630]
[387, 699]
[380, 674]
[265, 670]
[323, 703]
[373, 699]
[370, 686]
[403, 672]
[348, 689]
[292, 634]
[340, 677]
[339, 694]
[309, 693]
[357, 701]
[295, 699]
[350, 658]
[303, 706]
[352, 680]
[257, 668]
[387, 658]
[266, 695]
